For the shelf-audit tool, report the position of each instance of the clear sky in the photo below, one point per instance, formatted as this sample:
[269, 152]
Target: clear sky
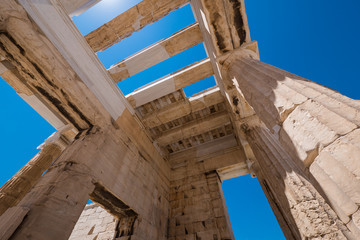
[316, 39]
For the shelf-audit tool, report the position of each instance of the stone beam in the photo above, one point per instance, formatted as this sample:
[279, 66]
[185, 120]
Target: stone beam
[224, 27]
[219, 154]
[183, 108]
[75, 8]
[57, 65]
[171, 83]
[10, 74]
[233, 171]
[199, 13]
[225, 23]
[132, 20]
[64, 35]
[194, 128]
[156, 53]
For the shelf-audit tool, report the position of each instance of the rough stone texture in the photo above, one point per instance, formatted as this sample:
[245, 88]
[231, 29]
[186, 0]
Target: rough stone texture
[156, 53]
[21, 183]
[173, 82]
[197, 207]
[303, 114]
[301, 139]
[76, 7]
[94, 223]
[10, 220]
[134, 19]
[66, 187]
[227, 23]
[317, 127]
[301, 210]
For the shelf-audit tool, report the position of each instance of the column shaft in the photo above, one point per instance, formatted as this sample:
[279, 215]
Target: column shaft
[20, 184]
[317, 127]
[301, 211]
[57, 200]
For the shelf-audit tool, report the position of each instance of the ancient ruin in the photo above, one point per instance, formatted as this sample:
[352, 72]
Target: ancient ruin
[154, 160]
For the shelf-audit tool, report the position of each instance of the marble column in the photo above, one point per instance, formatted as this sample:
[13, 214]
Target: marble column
[21, 183]
[318, 129]
[301, 210]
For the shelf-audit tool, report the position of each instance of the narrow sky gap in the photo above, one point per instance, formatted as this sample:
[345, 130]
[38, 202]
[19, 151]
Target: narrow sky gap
[248, 209]
[101, 13]
[162, 69]
[22, 130]
[147, 36]
[199, 86]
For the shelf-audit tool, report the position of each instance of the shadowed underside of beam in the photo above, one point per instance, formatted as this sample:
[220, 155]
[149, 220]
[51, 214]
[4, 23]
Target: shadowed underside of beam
[171, 83]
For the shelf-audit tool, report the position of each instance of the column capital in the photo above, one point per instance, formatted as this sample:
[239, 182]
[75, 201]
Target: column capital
[248, 50]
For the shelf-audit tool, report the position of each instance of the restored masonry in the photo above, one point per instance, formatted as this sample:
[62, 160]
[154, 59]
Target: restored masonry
[153, 161]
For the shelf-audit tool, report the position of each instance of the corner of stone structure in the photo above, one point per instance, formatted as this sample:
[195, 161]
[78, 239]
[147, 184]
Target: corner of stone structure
[62, 138]
[247, 50]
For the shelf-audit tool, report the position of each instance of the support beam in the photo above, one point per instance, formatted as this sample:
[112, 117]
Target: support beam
[75, 8]
[59, 67]
[183, 108]
[171, 83]
[11, 75]
[132, 20]
[224, 23]
[222, 154]
[156, 53]
[194, 128]
[69, 42]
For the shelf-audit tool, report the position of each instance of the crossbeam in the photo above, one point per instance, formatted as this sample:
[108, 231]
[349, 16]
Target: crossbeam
[194, 128]
[183, 108]
[76, 7]
[156, 53]
[171, 83]
[130, 21]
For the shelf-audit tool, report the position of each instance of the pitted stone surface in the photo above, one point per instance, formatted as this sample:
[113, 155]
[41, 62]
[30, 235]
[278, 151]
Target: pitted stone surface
[94, 223]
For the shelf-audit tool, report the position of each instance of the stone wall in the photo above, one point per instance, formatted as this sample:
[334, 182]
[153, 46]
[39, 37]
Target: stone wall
[95, 223]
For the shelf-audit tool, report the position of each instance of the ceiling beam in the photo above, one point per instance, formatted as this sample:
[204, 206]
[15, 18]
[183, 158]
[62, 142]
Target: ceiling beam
[76, 7]
[50, 55]
[194, 128]
[223, 155]
[225, 21]
[183, 108]
[130, 21]
[171, 83]
[156, 53]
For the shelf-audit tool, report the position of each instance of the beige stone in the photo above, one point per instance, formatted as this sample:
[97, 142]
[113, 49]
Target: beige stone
[153, 162]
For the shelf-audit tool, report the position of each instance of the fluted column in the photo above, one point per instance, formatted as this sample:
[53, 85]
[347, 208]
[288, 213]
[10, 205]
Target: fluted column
[316, 126]
[299, 207]
[21, 183]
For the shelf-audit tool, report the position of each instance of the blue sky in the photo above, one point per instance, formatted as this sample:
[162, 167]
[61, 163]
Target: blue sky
[318, 40]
